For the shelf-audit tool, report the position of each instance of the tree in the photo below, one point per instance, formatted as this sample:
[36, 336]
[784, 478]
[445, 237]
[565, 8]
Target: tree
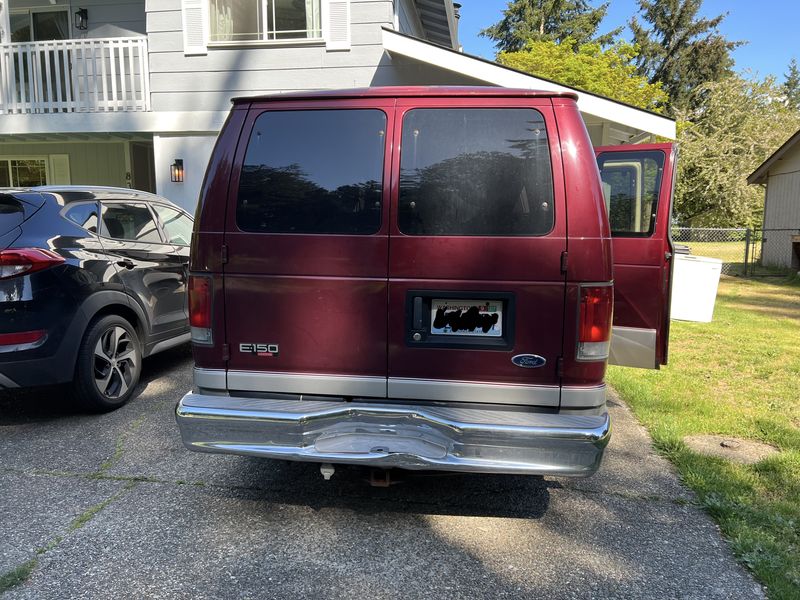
[791, 87]
[550, 20]
[610, 72]
[743, 121]
[680, 50]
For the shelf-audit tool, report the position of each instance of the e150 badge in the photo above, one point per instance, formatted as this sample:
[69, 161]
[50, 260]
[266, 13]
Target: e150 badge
[265, 350]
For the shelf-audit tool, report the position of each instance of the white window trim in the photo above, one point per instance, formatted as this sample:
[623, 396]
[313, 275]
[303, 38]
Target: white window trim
[306, 41]
[8, 158]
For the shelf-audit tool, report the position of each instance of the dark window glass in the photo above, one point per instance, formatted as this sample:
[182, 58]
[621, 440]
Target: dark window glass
[176, 225]
[631, 184]
[131, 222]
[84, 215]
[313, 171]
[475, 171]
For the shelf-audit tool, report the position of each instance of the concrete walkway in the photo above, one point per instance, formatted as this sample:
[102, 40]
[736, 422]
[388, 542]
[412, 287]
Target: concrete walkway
[113, 506]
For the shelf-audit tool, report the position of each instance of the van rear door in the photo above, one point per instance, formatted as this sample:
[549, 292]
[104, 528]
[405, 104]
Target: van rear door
[638, 185]
[307, 249]
[476, 290]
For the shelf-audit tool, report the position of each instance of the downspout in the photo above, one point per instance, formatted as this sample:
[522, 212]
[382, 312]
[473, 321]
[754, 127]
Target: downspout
[457, 15]
[396, 19]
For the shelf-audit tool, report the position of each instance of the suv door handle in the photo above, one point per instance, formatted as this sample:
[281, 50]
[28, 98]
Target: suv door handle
[127, 263]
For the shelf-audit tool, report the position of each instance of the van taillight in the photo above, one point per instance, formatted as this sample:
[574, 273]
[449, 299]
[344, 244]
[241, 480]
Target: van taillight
[200, 289]
[21, 261]
[594, 322]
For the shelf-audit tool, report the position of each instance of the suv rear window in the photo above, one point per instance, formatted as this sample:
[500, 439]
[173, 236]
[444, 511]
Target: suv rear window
[313, 171]
[475, 171]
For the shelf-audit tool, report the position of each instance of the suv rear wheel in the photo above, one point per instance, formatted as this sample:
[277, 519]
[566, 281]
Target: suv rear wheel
[109, 364]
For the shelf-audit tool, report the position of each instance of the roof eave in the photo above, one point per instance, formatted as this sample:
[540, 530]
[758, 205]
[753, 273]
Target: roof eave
[499, 75]
[761, 174]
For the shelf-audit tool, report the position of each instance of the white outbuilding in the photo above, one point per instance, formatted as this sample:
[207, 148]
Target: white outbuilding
[780, 174]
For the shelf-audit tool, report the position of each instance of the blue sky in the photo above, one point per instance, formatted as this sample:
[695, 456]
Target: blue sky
[770, 26]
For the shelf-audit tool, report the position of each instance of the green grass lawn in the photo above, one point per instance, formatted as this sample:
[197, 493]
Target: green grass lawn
[728, 252]
[737, 376]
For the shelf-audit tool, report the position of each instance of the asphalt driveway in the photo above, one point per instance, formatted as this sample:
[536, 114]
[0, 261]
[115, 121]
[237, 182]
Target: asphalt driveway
[113, 506]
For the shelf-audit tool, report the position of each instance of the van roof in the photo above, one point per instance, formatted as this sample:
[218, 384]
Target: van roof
[409, 91]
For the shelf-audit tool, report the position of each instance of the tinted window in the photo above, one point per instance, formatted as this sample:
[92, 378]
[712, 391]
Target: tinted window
[84, 215]
[129, 222]
[475, 171]
[176, 225]
[313, 171]
[631, 184]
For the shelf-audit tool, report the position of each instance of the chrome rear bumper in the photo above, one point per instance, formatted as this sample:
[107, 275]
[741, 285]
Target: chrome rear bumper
[396, 435]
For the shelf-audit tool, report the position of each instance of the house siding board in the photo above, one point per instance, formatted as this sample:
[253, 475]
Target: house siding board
[782, 212]
[209, 81]
[90, 163]
[113, 18]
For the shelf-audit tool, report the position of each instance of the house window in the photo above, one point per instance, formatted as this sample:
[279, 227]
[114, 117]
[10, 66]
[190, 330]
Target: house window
[23, 172]
[237, 21]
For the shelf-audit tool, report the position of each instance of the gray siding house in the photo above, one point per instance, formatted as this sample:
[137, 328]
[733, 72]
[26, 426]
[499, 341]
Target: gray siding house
[780, 174]
[114, 92]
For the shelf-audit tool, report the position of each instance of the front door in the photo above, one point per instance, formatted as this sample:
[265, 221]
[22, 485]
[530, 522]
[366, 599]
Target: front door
[638, 187]
[307, 250]
[476, 291]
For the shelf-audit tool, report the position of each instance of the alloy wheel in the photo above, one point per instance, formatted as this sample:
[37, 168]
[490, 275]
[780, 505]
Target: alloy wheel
[116, 363]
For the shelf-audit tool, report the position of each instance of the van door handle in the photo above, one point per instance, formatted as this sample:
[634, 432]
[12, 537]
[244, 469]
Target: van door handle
[127, 263]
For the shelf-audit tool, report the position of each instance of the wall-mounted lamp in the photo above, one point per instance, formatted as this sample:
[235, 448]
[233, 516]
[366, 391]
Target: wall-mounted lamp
[82, 19]
[176, 171]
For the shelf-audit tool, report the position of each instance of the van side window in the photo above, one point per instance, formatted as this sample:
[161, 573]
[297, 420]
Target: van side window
[475, 171]
[313, 171]
[631, 184]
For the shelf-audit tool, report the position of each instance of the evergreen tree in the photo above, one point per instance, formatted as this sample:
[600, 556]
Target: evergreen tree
[608, 71]
[548, 20]
[681, 50]
[791, 87]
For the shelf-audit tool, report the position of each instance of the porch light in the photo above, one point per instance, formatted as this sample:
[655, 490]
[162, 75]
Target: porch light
[82, 19]
[176, 171]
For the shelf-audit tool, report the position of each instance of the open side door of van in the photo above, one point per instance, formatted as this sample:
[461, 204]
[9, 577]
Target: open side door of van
[638, 185]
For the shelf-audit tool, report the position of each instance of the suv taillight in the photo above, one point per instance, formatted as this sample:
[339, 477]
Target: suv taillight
[21, 261]
[200, 289]
[594, 322]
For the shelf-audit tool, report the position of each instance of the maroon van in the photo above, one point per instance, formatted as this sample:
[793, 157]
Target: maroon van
[422, 278]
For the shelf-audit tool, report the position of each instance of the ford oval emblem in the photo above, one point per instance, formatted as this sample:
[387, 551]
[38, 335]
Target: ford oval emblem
[529, 361]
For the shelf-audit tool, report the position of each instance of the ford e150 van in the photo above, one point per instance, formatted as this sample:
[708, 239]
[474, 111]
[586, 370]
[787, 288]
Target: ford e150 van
[422, 278]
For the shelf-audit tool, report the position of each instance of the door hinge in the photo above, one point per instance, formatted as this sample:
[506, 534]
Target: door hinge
[560, 367]
[223, 255]
[564, 262]
[226, 353]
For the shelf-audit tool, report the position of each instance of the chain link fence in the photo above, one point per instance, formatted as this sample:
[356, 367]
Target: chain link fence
[774, 252]
[751, 252]
[729, 245]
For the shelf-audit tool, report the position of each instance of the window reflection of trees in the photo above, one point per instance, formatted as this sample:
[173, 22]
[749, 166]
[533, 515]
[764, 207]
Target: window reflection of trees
[287, 200]
[479, 193]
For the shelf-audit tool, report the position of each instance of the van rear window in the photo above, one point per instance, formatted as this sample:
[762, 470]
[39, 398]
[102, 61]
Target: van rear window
[313, 171]
[475, 171]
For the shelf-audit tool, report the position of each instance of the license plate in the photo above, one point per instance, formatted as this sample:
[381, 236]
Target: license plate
[477, 318]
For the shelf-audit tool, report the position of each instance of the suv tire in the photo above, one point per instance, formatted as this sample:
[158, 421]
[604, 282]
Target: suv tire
[108, 366]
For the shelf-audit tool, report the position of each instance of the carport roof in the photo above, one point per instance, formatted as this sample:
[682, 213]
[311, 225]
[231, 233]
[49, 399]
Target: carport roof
[603, 109]
[761, 174]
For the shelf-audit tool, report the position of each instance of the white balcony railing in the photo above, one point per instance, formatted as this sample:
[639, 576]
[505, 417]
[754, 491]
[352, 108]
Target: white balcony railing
[91, 75]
